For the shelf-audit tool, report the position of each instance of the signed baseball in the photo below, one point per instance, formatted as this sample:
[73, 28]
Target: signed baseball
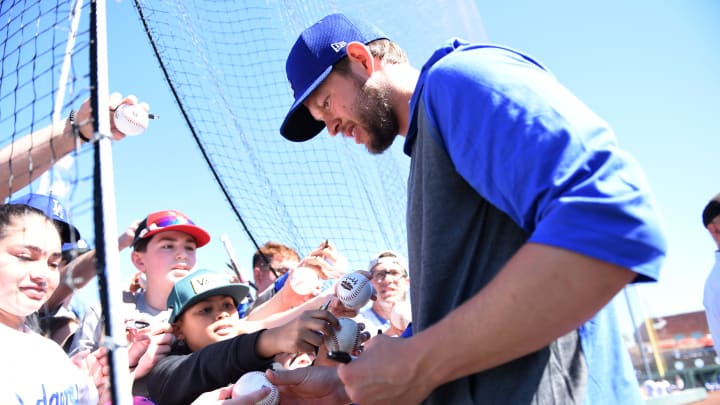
[347, 339]
[253, 381]
[354, 290]
[131, 119]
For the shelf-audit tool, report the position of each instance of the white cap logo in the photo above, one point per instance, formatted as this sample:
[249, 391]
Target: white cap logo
[57, 209]
[338, 46]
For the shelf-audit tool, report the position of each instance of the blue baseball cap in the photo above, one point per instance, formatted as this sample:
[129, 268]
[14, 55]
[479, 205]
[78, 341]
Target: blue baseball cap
[311, 60]
[199, 285]
[53, 209]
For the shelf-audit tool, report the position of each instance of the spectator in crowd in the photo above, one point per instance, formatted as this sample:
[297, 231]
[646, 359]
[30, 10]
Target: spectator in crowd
[29, 156]
[58, 320]
[164, 250]
[711, 298]
[211, 351]
[319, 267]
[271, 261]
[270, 264]
[54, 209]
[61, 316]
[391, 282]
[524, 218]
[35, 369]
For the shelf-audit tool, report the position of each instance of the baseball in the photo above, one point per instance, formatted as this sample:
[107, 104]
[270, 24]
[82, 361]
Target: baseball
[131, 119]
[347, 339]
[354, 290]
[304, 281]
[253, 381]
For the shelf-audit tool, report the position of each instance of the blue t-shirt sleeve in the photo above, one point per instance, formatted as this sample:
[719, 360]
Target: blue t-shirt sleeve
[533, 150]
[280, 282]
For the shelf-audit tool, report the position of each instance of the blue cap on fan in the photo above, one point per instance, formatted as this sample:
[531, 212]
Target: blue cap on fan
[54, 210]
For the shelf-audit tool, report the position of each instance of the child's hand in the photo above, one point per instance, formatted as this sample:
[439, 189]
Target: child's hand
[301, 335]
[161, 340]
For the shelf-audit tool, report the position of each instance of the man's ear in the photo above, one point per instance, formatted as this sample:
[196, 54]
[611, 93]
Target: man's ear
[359, 53]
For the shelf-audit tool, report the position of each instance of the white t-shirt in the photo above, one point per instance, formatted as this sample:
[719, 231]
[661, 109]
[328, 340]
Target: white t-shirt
[35, 370]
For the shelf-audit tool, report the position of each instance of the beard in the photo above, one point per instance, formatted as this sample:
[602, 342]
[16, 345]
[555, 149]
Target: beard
[376, 114]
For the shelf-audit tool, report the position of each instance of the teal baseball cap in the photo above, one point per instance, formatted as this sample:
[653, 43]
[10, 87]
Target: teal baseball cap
[201, 284]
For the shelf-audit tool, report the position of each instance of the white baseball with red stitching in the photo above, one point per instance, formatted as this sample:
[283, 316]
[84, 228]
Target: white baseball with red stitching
[131, 119]
[354, 290]
[253, 381]
[347, 339]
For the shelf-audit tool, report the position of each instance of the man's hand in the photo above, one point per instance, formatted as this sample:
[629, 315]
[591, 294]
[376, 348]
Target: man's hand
[83, 116]
[309, 385]
[397, 381]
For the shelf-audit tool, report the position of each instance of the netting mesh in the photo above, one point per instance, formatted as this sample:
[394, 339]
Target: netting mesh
[44, 74]
[225, 62]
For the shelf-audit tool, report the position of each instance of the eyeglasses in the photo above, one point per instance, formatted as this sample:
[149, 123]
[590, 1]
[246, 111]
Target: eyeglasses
[390, 275]
[277, 272]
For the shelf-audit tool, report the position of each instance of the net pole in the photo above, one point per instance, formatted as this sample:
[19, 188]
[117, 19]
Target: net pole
[67, 61]
[108, 256]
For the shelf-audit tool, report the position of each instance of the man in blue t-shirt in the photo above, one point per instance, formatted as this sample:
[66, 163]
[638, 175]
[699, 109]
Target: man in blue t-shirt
[524, 218]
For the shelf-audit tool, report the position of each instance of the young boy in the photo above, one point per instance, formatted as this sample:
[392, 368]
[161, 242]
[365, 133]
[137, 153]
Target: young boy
[35, 369]
[210, 351]
[164, 250]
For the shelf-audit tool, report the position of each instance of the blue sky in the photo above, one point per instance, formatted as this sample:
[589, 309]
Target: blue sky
[649, 68]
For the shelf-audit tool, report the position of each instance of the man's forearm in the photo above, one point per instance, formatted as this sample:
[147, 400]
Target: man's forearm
[542, 293]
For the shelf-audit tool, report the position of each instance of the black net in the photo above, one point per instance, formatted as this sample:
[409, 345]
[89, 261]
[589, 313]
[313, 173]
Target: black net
[225, 62]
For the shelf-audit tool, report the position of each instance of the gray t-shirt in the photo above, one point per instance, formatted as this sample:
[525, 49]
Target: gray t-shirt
[457, 243]
[91, 332]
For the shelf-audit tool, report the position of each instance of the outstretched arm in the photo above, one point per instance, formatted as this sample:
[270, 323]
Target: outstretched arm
[28, 157]
[31, 155]
[543, 289]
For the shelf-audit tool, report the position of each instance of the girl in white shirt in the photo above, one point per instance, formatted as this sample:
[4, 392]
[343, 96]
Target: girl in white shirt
[34, 369]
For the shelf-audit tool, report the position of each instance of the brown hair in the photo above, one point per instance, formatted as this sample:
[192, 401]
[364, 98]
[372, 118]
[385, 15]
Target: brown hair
[384, 49]
[269, 250]
[8, 212]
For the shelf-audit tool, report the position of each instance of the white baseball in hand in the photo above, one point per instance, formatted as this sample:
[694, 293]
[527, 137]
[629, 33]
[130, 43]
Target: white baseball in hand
[347, 339]
[354, 290]
[304, 280]
[253, 381]
[131, 119]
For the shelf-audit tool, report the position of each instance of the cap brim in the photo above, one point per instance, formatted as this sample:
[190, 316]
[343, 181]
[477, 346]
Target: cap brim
[236, 290]
[299, 125]
[68, 233]
[201, 237]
